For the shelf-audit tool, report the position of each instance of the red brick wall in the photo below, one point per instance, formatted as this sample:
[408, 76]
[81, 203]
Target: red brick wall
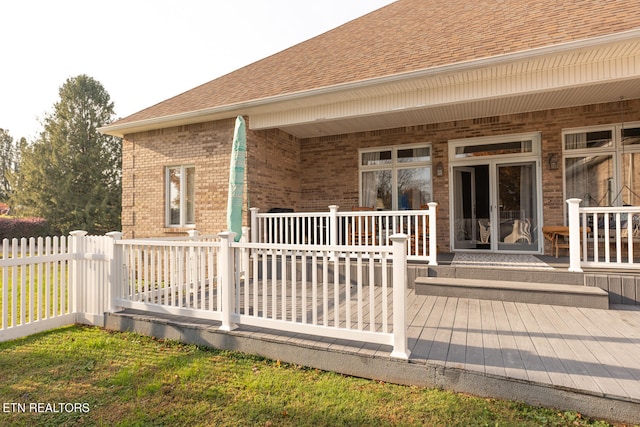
[330, 164]
[311, 174]
[273, 170]
[272, 158]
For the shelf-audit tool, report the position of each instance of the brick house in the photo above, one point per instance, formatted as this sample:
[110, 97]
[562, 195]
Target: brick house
[499, 111]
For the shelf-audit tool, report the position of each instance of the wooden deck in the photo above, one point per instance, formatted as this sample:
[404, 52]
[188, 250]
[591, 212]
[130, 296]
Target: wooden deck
[570, 358]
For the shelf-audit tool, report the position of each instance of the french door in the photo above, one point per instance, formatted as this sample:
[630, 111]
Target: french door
[496, 206]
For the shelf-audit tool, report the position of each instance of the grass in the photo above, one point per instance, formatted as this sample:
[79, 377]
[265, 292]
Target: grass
[27, 286]
[94, 377]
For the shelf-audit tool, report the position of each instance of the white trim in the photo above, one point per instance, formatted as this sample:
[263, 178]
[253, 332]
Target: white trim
[394, 166]
[534, 156]
[615, 151]
[183, 202]
[534, 137]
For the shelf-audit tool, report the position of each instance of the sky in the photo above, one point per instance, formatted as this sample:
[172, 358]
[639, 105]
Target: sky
[143, 51]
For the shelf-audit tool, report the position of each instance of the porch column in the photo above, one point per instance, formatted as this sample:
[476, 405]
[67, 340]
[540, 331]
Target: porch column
[433, 244]
[227, 279]
[400, 341]
[574, 235]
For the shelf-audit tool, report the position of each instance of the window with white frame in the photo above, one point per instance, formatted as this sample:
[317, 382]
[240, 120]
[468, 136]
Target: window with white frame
[602, 165]
[180, 190]
[395, 178]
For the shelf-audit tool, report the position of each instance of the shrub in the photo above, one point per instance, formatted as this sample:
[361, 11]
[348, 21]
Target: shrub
[12, 227]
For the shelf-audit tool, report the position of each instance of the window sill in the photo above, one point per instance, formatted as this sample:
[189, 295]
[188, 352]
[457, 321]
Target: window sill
[178, 230]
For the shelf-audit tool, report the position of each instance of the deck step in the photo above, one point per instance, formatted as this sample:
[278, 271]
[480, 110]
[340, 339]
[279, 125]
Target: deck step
[514, 291]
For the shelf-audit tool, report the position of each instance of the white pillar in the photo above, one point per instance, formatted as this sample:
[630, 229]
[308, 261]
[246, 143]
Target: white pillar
[254, 224]
[115, 272]
[400, 340]
[77, 271]
[433, 244]
[574, 235]
[245, 254]
[333, 225]
[227, 279]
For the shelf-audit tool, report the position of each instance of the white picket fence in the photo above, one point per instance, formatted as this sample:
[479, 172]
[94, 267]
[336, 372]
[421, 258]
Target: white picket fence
[52, 282]
[345, 292]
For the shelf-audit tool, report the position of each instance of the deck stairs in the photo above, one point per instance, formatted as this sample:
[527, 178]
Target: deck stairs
[512, 284]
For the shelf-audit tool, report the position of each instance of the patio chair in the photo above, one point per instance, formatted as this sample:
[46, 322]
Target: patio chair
[485, 230]
[362, 228]
[521, 232]
[559, 236]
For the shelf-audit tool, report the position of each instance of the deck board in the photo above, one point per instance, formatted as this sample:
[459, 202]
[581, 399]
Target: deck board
[544, 347]
[512, 359]
[532, 363]
[456, 355]
[442, 334]
[493, 362]
[475, 353]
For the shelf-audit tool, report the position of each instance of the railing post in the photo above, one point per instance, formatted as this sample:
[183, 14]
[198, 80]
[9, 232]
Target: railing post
[433, 244]
[227, 279]
[77, 270]
[245, 253]
[254, 224]
[333, 225]
[115, 271]
[574, 235]
[400, 341]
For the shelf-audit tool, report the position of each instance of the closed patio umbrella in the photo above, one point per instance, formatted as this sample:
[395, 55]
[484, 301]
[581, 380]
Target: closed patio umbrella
[236, 178]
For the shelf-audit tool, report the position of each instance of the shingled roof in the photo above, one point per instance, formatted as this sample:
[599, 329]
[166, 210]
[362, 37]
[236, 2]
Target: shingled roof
[406, 36]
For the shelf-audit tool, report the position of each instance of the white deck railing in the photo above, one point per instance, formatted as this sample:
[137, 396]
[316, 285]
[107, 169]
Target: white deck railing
[345, 292]
[358, 228]
[604, 237]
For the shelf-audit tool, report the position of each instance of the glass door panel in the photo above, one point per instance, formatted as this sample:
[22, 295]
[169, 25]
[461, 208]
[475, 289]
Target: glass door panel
[472, 224]
[517, 220]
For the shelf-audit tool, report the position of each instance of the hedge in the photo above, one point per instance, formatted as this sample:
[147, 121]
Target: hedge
[12, 227]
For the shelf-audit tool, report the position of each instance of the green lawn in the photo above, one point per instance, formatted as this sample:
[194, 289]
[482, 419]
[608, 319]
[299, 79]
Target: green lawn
[89, 376]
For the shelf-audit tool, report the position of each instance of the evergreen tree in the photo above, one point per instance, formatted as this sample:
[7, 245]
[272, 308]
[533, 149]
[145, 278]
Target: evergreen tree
[71, 174]
[9, 158]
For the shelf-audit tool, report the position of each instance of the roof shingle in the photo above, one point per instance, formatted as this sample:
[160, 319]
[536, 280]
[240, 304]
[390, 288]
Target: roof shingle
[405, 36]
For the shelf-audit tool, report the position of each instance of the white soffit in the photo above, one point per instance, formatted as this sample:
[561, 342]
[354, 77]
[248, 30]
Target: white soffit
[589, 75]
[469, 110]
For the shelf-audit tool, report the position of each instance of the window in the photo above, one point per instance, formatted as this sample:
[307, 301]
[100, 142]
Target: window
[494, 149]
[395, 178]
[180, 209]
[602, 165]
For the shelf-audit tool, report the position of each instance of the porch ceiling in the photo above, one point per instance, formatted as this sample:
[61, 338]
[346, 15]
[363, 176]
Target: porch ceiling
[591, 72]
[562, 98]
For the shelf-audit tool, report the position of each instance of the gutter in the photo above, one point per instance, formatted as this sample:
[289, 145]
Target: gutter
[227, 110]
